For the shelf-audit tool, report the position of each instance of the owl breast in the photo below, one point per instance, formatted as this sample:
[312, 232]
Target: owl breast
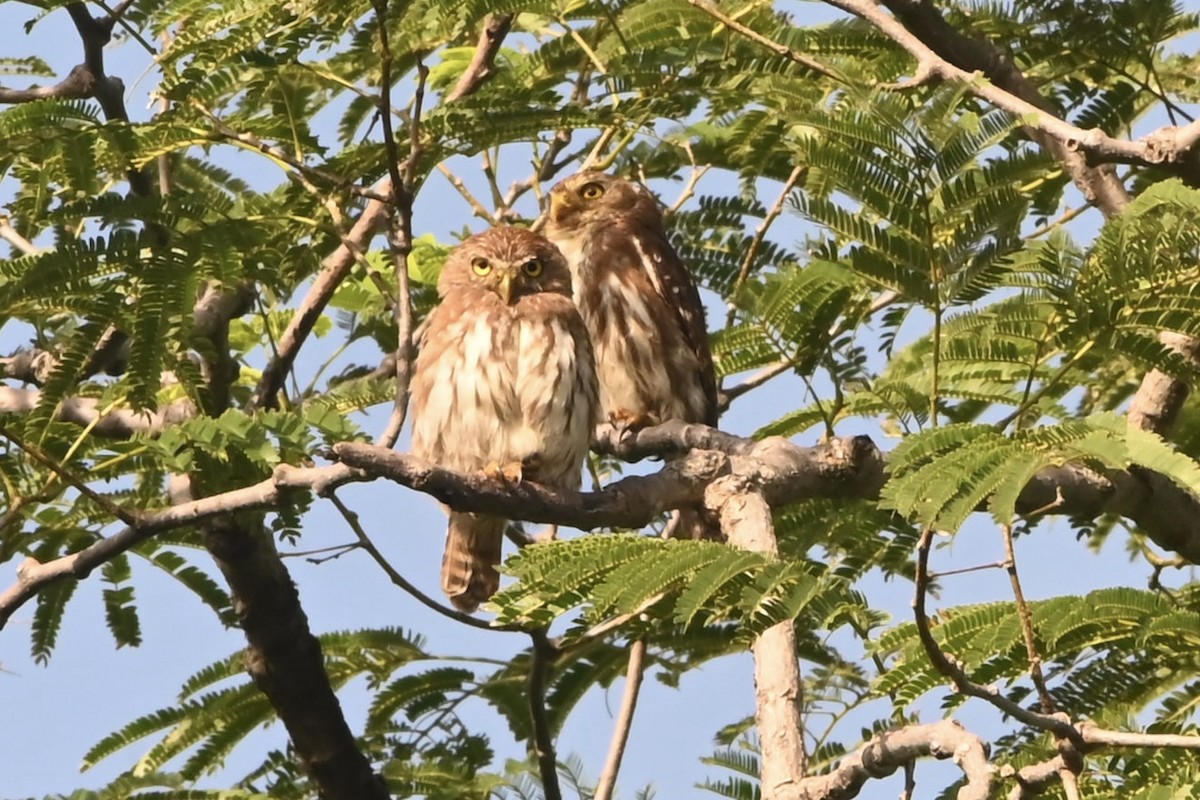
[501, 385]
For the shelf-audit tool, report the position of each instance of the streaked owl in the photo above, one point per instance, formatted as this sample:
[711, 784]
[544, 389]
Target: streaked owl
[504, 382]
[638, 300]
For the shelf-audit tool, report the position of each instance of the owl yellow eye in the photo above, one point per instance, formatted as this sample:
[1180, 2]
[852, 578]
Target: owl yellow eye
[480, 266]
[591, 191]
[532, 268]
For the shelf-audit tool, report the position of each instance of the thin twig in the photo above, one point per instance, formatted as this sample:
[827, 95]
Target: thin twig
[1058, 724]
[965, 570]
[70, 478]
[601, 628]
[364, 541]
[1066, 217]
[542, 743]
[779, 49]
[320, 551]
[760, 233]
[337, 265]
[689, 188]
[385, 97]
[616, 748]
[404, 179]
[1026, 618]
[477, 208]
[727, 396]
[1054, 504]
[303, 173]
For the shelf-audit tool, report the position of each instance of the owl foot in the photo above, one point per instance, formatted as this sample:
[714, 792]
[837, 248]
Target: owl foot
[626, 421]
[510, 472]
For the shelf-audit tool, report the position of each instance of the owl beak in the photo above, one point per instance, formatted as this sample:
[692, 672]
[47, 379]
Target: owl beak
[560, 203]
[505, 287]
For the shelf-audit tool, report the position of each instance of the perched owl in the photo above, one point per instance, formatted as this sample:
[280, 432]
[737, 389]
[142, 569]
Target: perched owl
[639, 303]
[505, 383]
[637, 299]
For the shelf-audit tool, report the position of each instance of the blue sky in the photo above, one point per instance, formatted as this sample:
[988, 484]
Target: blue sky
[55, 713]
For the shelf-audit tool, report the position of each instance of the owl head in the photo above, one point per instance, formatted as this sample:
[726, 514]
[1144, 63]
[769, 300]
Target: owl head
[593, 197]
[511, 262]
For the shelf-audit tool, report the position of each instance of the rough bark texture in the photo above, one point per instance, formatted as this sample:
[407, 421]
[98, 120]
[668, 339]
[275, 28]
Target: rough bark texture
[889, 751]
[746, 521]
[285, 661]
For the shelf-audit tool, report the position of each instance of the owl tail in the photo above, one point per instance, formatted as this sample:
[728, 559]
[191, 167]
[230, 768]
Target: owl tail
[473, 544]
[697, 525]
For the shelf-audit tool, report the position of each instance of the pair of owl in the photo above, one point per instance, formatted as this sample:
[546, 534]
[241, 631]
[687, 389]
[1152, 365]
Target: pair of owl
[536, 339]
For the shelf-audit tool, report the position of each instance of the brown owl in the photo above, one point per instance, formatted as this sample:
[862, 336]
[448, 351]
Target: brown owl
[638, 301]
[505, 383]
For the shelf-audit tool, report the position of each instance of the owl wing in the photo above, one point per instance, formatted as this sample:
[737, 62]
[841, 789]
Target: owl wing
[673, 282]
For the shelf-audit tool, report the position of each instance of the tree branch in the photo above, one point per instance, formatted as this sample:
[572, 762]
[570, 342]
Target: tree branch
[115, 423]
[364, 542]
[483, 62]
[79, 83]
[782, 50]
[620, 737]
[779, 695]
[285, 660]
[1034, 779]
[1169, 146]
[542, 744]
[1160, 396]
[784, 472]
[33, 576]
[889, 751]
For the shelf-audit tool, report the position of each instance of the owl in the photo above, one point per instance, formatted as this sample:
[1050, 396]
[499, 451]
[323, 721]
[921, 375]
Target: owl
[638, 301]
[504, 382]
[640, 306]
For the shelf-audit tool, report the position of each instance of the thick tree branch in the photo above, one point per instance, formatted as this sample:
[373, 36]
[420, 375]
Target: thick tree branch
[937, 39]
[787, 473]
[28, 366]
[943, 51]
[784, 472]
[631, 502]
[285, 660]
[80, 82]
[1034, 779]
[889, 751]
[116, 423]
[746, 521]
[109, 92]
[483, 62]
[1159, 399]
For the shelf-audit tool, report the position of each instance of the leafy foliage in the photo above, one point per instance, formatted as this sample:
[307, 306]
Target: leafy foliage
[904, 255]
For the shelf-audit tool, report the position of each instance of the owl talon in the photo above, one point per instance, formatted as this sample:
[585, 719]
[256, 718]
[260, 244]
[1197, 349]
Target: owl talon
[510, 472]
[626, 421]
